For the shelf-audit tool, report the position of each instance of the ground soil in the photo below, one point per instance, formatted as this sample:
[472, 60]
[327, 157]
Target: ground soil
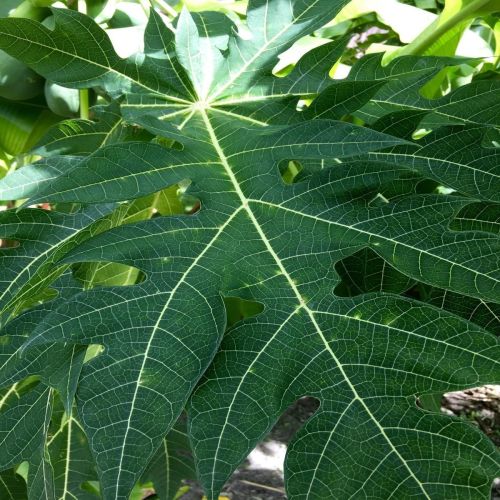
[480, 406]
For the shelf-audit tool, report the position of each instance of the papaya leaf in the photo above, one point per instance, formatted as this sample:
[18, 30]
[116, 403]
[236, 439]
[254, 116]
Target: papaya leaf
[226, 129]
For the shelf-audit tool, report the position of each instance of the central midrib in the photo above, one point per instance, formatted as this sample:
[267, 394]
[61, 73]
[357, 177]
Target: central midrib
[300, 299]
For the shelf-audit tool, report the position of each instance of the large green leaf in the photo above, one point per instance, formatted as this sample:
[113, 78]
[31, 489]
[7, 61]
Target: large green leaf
[164, 357]
[191, 247]
[232, 125]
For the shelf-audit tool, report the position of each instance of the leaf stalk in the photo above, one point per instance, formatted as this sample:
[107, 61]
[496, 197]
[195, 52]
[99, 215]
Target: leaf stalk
[433, 33]
[84, 93]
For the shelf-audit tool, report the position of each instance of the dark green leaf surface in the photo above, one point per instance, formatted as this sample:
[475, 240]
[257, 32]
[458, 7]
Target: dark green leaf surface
[230, 127]
[366, 272]
[176, 253]
[481, 313]
[23, 425]
[379, 420]
[12, 486]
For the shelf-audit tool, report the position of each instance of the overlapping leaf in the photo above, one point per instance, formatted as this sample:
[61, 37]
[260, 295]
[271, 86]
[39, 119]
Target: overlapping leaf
[70, 457]
[476, 103]
[81, 137]
[87, 64]
[24, 422]
[172, 463]
[41, 238]
[455, 157]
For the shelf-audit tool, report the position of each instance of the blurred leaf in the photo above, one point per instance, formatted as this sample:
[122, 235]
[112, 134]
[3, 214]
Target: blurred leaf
[22, 124]
[128, 14]
[101, 10]
[127, 41]
[442, 36]
[227, 6]
[406, 20]
[6, 6]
